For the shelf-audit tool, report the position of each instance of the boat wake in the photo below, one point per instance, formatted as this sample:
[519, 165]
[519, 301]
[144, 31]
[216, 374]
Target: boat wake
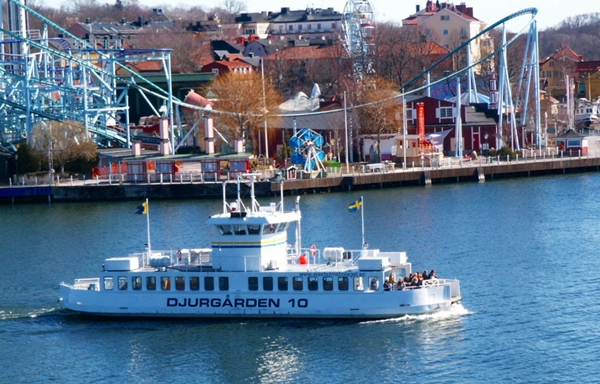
[455, 311]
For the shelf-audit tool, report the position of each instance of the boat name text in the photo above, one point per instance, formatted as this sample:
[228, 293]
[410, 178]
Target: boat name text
[234, 303]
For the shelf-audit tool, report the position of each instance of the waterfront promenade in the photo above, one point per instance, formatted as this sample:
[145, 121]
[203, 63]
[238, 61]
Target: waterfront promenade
[347, 178]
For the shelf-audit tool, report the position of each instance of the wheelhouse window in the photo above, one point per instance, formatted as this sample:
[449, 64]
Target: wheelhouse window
[122, 283]
[359, 284]
[282, 283]
[194, 283]
[343, 283]
[151, 283]
[298, 283]
[136, 283]
[269, 228]
[224, 229]
[313, 283]
[209, 283]
[165, 283]
[253, 283]
[268, 283]
[328, 283]
[180, 283]
[223, 283]
[254, 229]
[108, 283]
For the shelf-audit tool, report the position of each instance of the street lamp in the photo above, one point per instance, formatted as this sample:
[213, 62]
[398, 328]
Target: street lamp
[487, 147]
[17, 167]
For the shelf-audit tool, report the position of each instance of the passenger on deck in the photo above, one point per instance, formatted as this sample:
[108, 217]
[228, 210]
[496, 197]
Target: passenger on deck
[432, 275]
[414, 281]
[375, 284]
[401, 285]
[387, 286]
[425, 275]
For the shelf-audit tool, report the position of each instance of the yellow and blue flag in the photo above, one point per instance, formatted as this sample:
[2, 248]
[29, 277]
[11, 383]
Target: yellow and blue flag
[142, 209]
[355, 206]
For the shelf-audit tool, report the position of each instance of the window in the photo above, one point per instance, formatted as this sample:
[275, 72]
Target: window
[209, 283]
[281, 28]
[445, 17]
[549, 73]
[215, 70]
[446, 112]
[309, 27]
[552, 64]
[409, 114]
[318, 25]
[299, 27]
[108, 283]
[224, 283]
[268, 283]
[297, 283]
[291, 28]
[333, 25]
[359, 284]
[282, 283]
[136, 283]
[313, 283]
[446, 32]
[328, 283]
[463, 31]
[122, 283]
[194, 283]
[343, 283]
[165, 283]
[253, 283]
[179, 283]
[254, 229]
[151, 283]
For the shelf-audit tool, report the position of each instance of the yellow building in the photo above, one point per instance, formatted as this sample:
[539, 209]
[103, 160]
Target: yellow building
[450, 25]
[554, 68]
[587, 80]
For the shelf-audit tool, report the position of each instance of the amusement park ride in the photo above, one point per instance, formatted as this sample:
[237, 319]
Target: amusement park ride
[45, 78]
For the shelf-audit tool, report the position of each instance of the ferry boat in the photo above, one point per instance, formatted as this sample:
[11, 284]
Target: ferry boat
[250, 271]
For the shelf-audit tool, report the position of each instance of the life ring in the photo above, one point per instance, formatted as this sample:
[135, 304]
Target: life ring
[313, 250]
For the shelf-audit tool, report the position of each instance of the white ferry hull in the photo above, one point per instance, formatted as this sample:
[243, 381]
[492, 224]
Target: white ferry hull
[341, 305]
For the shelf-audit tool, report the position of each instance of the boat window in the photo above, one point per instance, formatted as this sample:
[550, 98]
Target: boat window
[165, 283]
[151, 283]
[254, 229]
[297, 283]
[194, 283]
[343, 283]
[374, 283]
[281, 227]
[268, 283]
[224, 283]
[179, 283]
[313, 283]
[108, 283]
[359, 284]
[269, 228]
[239, 229]
[136, 283]
[209, 283]
[328, 283]
[253, 283]
[225, 229]
[282, 283]
[122, 283]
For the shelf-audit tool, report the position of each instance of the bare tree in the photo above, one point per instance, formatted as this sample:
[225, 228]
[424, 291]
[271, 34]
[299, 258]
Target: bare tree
[380, 108]
[67, 140]
[241, 105]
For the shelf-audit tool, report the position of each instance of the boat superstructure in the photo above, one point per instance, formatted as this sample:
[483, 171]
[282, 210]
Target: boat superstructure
[251, 271]
[586, 112]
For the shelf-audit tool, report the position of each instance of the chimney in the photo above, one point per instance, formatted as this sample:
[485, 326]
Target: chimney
[140, 21]
[285, 10]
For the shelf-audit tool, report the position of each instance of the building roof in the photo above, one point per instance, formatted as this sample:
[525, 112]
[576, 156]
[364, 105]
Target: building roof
[432, 8]
[564, 53]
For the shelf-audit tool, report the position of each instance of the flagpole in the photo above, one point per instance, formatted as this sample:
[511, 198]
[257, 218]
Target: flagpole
[148, 227]
[362, 216]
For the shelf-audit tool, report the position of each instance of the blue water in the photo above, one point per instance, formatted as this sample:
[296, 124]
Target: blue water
[524, 250]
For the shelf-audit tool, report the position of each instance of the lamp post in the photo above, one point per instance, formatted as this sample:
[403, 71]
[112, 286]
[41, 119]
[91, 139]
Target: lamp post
[487, 147]
[17, 168]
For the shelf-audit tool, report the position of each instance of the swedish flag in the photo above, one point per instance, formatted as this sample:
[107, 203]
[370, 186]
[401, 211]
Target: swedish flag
[355, 206]
[142, 209]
